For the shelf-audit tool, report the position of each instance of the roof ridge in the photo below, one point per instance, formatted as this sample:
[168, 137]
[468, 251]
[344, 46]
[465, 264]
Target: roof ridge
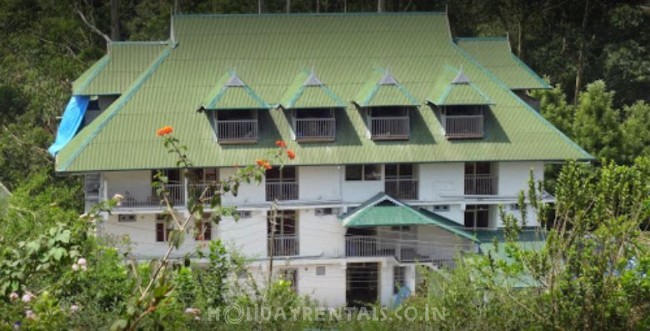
[485, 38]
[215, 15]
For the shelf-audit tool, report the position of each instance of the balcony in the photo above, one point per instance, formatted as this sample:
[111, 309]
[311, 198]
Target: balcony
[389, 128]
[403, 189]
[281, 191]
[315, 129]
[464, 126]
[481, 185]
[283, 245]
[176, 195]
[402, 250]
[200, 188]
[237, 131]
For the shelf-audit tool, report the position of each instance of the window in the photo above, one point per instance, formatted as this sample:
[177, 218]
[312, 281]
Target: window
[162, 228]
[326, 211]
[477, 216]
[441, 208]
[245, 214]
[126, 218]
[320, 270]
[204, 228]
[285, 233]
[399, 278]
[291, 275]
[401, 181]
[366, 172]
[478, 168]
[401, 228]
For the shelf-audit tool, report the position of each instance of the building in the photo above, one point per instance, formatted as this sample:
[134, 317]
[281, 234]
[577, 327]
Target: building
[407, 140]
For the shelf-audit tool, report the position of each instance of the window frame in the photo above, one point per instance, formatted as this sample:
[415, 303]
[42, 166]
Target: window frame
[475, 210]
[364, 172]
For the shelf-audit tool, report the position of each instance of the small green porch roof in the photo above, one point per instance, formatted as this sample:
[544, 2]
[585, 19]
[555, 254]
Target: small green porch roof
[308, 91]
[384, 210]
[383, 89]
[455, 88]
[231, 93]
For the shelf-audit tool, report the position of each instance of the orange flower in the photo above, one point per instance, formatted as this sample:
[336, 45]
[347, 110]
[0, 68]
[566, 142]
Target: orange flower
[260, 162]
[165, 130]
[281, 144]
[291, 154]
[267, 166]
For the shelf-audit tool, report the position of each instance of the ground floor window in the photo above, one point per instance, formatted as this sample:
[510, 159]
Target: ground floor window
[291, 275]
[477, 216]
[162, 228]
[204, 228]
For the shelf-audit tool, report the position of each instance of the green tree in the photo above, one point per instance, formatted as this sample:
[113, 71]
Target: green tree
[597, 123]
[636, 131]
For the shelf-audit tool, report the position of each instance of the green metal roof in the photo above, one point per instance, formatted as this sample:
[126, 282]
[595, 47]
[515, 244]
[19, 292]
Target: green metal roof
[112, 74]
[308, 91]
[384, 210]
[383, 89]
[267, 51]
[231, 92]
[455, 88]
[495, 55]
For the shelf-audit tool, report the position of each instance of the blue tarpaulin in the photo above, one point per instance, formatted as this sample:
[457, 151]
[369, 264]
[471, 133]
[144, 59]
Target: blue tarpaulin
[72, 118]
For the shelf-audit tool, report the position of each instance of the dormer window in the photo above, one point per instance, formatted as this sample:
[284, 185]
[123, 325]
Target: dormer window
[312, 106]
[235, 127]
[463, 122]
[233, 109]
[388, 123]
[386, 103]
[314, 125]
[462, 106]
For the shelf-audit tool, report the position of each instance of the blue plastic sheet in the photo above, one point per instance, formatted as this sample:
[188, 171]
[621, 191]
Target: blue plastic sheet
[70, 123]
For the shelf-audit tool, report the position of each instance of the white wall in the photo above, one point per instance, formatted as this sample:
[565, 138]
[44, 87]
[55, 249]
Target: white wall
[514, 176]
[248, 235]
[320, 182]
[320, 235]
[329, 289]
[129, 183]
[441, 179]
[142, 235]
[361, 190]
[248, 193]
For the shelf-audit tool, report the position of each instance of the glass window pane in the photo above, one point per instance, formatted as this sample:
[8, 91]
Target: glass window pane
[391, 171]
[372, 172]
[469, 168]
[483, 168]
[353, 172]
[482, 219]
[406, 170]
[289, 173]
[469, 219]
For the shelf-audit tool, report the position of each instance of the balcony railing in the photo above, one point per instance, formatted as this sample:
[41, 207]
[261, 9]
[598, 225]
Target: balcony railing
[283, 245]
[281, 191]
[389, 128]
[176, 195]
[200, 188]
[315, 129]
[237, 131]
[464, 126]
[402, 250]
[405, 189]
[481, 184]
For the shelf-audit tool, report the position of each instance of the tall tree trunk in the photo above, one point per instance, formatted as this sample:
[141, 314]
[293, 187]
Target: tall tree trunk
[115, 20]
[381, 6]
[261, 6]
[580, 66]
[318, 6]
[288, 6]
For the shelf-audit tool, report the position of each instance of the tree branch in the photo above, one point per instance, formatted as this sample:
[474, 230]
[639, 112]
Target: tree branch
[93, 27]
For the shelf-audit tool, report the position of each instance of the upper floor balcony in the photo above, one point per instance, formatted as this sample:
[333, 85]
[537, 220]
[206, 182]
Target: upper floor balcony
[464, 126]
[315, 129]
[282, 183]
[480, 179]
[237, 131]
[388, 123]
[175, 194]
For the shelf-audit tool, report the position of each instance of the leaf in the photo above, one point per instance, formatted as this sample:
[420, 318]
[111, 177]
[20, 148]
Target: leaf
[64, 236]
[57, 253]
[119, 325]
